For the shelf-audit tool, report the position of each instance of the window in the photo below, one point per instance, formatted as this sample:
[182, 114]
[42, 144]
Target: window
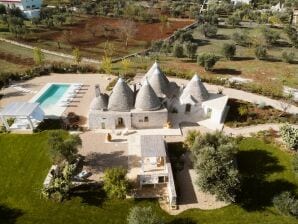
[187, 108]
[146, 119]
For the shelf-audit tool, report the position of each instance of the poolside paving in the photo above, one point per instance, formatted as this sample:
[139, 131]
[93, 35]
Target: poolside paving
[79, 105]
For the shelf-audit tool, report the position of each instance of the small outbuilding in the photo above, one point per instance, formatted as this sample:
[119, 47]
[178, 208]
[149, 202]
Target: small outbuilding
[26, 116]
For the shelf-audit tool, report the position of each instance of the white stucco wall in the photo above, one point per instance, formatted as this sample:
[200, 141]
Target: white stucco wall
[156, 119]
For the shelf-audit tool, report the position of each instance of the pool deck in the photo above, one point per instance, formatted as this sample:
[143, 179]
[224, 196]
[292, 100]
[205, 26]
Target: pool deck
[79, 104]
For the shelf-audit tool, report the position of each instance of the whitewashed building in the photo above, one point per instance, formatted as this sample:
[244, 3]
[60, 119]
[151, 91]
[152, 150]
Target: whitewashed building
[30, 8]
[150, 168]
[155, 104]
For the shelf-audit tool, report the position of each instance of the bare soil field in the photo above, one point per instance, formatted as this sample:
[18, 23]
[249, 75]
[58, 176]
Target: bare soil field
[88, 35]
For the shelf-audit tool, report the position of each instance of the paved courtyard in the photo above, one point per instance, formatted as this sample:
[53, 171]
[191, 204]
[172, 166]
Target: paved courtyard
[100, 154]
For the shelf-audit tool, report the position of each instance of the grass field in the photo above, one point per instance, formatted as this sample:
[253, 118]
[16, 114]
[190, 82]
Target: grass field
[245, 64]
[15, 58]
[24, 164]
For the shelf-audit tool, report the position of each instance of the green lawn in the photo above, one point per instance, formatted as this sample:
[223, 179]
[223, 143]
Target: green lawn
[24, 164]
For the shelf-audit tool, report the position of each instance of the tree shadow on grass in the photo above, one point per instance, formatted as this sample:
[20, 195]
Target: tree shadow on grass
[9, 215]
[237, 58]
[257, 192]
[90, 193]
[226, 71]
[183, 221]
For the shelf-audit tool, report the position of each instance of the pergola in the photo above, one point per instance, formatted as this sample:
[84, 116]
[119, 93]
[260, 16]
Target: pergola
[27, 115]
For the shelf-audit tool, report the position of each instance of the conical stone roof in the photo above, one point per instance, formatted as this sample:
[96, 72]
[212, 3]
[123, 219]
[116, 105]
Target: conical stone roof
[159, 82]
[149, 72]
[195, 90]
[146, 99]
[99, 102]
[121, 98]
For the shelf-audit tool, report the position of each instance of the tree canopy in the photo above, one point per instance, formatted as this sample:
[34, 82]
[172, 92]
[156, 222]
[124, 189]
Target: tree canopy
[63, 148]
[214, 161]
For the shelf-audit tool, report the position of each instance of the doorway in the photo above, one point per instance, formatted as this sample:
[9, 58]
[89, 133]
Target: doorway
[120, 123]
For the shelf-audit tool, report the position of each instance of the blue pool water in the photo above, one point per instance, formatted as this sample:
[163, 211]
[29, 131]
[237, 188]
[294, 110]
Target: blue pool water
[52, 95]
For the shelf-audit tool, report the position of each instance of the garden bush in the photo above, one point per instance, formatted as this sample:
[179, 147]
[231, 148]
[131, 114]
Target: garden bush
[115, 182]
[286, 203]
[228, 50]
[207, 60]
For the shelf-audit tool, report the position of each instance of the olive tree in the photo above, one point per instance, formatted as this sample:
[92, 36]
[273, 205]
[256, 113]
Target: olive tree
[63, 147]
[207, 60]
[290, 136]
[178, 50]
[214, 161]
[288, 57]
[228, 50]
[286, 203]
[190, 49]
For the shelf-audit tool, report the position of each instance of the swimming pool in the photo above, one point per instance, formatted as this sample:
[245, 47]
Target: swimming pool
[52, 95]
[54, 98]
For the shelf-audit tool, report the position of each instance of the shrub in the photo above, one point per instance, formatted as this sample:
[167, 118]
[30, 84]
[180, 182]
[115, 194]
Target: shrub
[208, 30]
[115, 182]
[288, 57]
[207, 60]
[261, 52]
[143, 215]
[286, 204]
[190, 49]
[178, 50]
[214, 161]
[228, 50]
[289, 135]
